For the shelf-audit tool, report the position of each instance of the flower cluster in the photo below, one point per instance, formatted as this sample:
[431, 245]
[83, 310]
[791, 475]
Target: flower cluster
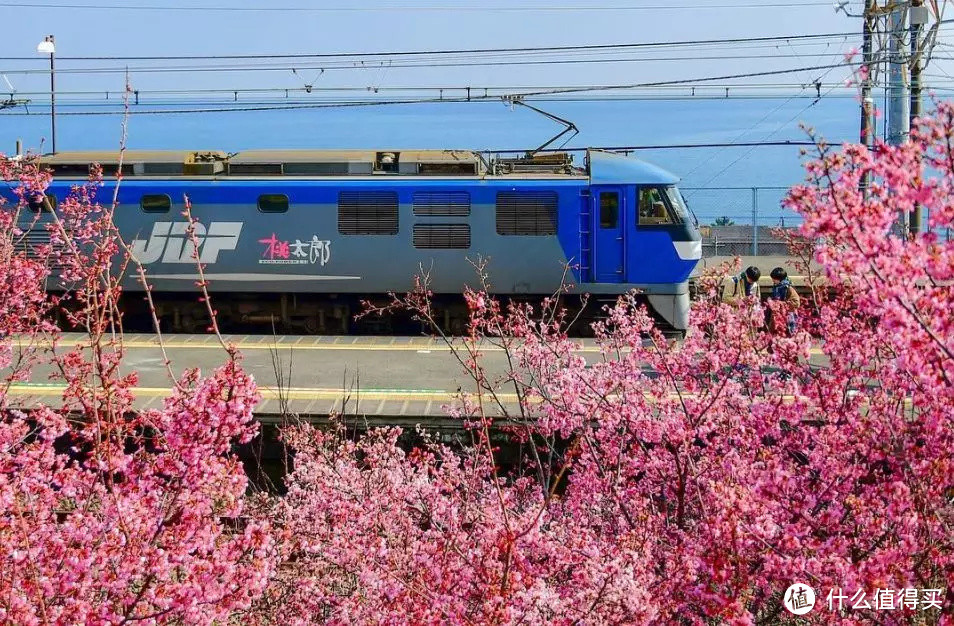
[665, 482]
[109, 514]
[653, 482]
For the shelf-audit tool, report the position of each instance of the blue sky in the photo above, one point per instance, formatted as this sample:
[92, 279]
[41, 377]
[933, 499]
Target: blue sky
[417, 26]
[402, 25]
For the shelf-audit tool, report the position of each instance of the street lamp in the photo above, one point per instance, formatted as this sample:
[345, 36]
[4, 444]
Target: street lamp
[46, 47]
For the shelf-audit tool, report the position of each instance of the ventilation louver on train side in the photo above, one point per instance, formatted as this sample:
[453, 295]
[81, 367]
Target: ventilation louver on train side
[526, 213]
[442, 236]
[442, 203]
[38, 245]
[367, 213]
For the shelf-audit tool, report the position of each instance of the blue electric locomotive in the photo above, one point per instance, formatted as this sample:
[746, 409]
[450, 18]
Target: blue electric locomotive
[301, 236]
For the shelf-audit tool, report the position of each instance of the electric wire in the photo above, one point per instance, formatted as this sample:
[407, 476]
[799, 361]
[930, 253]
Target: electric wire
[386, 65]
[752, 149]
[503, 89]
[285, 68]
[427, 65]
[398, 8]
[291, 104]
[530, 94]
[767, 115]
[463, 51]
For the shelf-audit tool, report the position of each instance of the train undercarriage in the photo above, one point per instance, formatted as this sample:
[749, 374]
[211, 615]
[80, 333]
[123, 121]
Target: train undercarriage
[333, 314]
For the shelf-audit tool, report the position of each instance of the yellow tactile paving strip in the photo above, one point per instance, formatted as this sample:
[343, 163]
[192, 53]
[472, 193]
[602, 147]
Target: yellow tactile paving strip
[307, 393]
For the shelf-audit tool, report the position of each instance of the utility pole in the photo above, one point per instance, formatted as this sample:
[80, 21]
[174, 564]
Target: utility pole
[898, 100]
[918, 17]
[867, 104]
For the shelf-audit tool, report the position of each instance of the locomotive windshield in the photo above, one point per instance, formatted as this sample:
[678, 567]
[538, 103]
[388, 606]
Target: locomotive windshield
[676, 203]
[661, 205]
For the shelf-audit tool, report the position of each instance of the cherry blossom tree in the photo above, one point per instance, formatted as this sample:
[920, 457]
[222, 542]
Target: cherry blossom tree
[671, 482]
[109, 514]
[658, 482]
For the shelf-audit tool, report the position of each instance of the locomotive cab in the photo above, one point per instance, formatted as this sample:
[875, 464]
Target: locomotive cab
[636, 233]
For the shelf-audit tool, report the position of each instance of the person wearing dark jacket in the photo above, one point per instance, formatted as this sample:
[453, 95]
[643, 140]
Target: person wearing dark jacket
[783, 290]
[747, 280]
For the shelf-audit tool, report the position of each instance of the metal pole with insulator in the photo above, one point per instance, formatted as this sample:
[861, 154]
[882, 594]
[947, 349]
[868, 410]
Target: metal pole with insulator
[867, 103]
[52, 99]
[755, 221]
[898, 98]
[918, 17]
[898, 102]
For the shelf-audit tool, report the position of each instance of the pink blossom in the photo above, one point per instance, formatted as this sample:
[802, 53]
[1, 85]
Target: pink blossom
[107, 514]
[667, 483]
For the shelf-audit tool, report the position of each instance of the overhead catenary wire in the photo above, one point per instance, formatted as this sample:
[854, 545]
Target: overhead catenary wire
[538, 93]
[422, 61]
[427, 64]
[767, 115]
[534, 92]
[279, 104]
[273, 67]
[751, 149]
[460, 51]
[418, 8]
[686, 81]
[779, 143]
[284, 68]
[760, 52]
[545, 93]
[530, 94]
[502, 89]
[478, 98]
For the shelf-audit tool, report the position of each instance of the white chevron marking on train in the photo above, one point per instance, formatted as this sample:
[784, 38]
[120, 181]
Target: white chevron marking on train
[243, 277]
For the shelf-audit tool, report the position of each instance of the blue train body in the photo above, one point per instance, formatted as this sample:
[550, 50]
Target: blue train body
[315, 223]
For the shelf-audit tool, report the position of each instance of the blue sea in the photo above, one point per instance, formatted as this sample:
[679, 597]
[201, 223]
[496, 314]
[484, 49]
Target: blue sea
[706, 172]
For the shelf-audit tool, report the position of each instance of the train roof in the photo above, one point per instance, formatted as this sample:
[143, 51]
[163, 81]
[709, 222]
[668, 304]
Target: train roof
[331, 156]
[611, 168]
[130, 156]
[602, 167]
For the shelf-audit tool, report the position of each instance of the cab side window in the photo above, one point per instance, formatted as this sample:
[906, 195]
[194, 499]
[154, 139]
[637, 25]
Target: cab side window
[652, 207]
[609, 210]
[40, 203]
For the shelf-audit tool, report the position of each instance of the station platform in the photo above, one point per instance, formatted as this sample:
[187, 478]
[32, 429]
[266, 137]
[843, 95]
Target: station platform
[796, 275]
[385, 380]
[764, 263]
[393, 377]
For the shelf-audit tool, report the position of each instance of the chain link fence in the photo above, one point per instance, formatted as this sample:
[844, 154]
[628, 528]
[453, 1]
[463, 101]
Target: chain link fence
[746, 221]
[743, 221]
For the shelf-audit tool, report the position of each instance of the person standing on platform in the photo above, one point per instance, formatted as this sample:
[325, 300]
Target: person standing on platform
[783, 290]
[744, 283]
